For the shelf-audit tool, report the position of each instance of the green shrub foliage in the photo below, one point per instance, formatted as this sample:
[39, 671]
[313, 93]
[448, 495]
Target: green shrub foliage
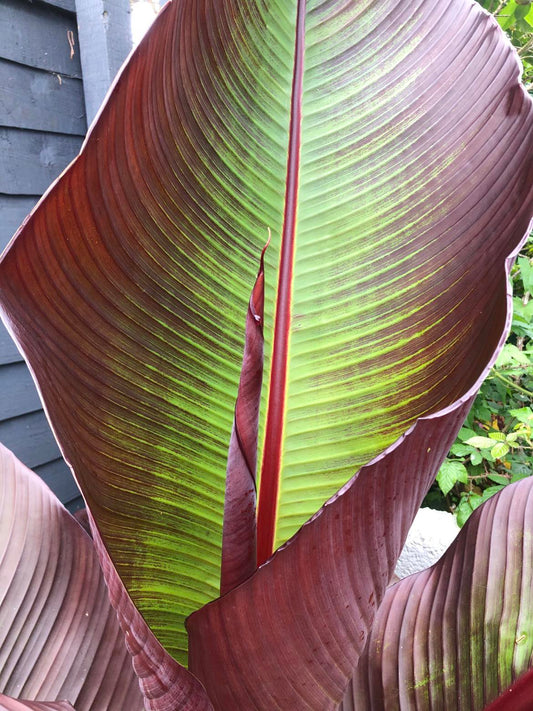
[495, 445]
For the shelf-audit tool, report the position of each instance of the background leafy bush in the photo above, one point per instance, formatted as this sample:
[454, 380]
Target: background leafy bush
[494, 448]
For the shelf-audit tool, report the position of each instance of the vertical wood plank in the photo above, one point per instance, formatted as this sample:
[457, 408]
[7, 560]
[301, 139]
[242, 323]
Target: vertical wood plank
[8, 350]
[105, 42]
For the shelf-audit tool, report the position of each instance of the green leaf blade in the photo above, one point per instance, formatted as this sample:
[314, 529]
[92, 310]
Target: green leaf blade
[381, 204]
[450, 473]
[480, 442]
[153, 258]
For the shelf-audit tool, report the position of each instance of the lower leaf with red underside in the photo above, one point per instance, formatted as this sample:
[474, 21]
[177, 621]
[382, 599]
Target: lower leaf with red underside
[460, 633]
[8, 704]
[518, 697]
[59, 636]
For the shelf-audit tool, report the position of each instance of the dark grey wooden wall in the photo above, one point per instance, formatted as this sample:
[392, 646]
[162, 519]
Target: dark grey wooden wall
[42, 126]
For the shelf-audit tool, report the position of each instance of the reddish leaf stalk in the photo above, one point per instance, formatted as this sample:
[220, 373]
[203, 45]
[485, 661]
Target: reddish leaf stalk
[271, 465]
[239, 533]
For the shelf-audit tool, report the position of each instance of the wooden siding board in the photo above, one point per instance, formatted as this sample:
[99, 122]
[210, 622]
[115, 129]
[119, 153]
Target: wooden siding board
[31, 160]
[68, 5]
[8, 350]
[42, 101]
[13, 211]
[29, 437]
[105, 42]
[38, 36]
[59, 478]
[74, 505]
[19, 395]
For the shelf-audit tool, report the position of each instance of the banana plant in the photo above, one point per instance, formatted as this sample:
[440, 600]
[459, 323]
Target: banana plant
[258, 306]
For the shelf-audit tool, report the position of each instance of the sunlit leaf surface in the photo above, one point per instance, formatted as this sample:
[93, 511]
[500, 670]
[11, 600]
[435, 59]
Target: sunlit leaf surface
[386, 146]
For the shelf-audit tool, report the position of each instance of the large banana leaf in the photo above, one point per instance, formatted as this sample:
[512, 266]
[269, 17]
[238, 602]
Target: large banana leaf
[387, 147]
[458, 634]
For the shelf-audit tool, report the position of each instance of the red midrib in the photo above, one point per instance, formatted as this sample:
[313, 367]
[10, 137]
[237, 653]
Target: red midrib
[271, 465]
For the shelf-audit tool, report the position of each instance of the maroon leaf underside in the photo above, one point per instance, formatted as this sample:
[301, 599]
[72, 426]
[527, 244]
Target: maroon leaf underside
[312, 604]
[239, 533]
[8, 704]
[518, 697]
[166, 685]
[462, 630]
[59, 636]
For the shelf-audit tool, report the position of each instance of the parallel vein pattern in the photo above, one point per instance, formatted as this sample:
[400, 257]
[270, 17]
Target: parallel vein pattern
[166, 685]
[459, 633]
[128, 287]
[317, 615]
[403, 185]
[59, 636]
[137, 270]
